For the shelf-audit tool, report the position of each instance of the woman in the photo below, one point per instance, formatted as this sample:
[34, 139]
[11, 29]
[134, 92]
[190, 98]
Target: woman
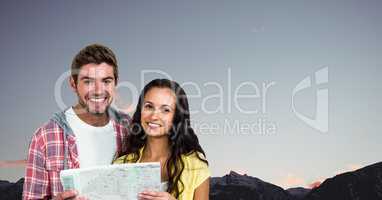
[161, 132]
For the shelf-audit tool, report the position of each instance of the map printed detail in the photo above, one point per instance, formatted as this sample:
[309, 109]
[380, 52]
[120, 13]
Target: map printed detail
[113, 182]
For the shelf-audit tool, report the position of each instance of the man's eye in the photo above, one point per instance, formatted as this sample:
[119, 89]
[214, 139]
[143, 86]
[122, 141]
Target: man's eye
[108, 81]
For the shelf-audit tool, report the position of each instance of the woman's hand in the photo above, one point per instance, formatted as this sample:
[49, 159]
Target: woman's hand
[148, 195]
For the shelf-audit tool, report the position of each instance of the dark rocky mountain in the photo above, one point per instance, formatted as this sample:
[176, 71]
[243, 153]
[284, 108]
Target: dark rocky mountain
[11, 191]
[299, 192]
[362, 184]
[242, 187]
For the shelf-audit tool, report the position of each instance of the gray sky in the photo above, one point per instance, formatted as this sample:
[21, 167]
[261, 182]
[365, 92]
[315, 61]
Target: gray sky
[219, 50]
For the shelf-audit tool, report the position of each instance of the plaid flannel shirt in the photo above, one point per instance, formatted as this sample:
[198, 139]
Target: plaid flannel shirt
[46, 158]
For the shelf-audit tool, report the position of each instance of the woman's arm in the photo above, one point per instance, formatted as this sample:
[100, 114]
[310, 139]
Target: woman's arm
[203, 190]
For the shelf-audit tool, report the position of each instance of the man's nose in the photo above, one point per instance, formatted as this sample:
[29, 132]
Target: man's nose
[98, 87]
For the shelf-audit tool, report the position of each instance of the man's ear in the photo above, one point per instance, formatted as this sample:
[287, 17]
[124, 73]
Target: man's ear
[72, 84]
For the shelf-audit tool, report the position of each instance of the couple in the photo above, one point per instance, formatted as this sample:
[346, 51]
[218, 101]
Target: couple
[93, 133]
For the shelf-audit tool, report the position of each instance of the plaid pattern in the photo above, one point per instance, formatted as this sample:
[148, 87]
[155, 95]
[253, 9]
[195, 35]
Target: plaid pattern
[46, 159]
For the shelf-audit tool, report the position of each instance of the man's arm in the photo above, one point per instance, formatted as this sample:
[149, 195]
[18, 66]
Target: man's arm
[36, 183]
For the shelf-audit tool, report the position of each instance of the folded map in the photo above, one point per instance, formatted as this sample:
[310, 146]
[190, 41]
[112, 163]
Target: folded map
[113, 182]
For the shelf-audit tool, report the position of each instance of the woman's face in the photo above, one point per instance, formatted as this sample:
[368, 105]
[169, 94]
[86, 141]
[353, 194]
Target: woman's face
[158, 111]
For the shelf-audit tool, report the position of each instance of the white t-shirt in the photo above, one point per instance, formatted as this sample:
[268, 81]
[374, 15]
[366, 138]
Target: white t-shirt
[95, 145]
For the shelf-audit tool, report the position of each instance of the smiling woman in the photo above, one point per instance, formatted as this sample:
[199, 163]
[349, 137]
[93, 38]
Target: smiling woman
[158, 111]
[160, 132]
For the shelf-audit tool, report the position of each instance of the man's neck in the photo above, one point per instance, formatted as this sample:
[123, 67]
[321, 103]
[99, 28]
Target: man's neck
[90, 118]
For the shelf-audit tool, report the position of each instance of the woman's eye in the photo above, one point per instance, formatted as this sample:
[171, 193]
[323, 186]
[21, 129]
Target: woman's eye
[148, 107]
[166, 110]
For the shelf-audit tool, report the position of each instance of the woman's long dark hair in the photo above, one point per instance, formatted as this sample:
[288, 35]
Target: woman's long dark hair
[182, 138]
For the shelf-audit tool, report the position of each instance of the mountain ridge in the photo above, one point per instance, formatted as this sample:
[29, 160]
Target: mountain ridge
[361, 184]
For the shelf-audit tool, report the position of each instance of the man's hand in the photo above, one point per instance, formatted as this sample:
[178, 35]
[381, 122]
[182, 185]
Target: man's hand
[69, 194]
[150, 195]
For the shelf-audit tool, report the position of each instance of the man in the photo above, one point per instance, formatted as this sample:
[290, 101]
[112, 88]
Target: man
[87, 134]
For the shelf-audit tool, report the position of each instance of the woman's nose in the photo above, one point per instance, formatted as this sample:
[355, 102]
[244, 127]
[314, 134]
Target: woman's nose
[154, 114]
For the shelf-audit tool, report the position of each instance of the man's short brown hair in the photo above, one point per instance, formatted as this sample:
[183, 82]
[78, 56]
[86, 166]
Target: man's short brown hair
[94, 53]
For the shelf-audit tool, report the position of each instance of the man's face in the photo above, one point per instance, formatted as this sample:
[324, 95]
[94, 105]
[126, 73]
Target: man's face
[95, 87]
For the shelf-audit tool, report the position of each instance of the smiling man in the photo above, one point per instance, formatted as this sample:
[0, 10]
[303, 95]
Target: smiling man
[87, 134]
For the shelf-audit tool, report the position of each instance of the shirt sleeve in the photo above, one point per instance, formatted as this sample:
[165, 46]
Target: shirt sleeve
[201, 174]
[196, 171]
[120, 160]
[36, 177]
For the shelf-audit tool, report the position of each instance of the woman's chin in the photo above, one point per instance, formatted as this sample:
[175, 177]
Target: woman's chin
[155, 134]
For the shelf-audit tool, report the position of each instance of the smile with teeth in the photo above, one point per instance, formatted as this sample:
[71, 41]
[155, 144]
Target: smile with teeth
[153, 125]
[97, 99]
